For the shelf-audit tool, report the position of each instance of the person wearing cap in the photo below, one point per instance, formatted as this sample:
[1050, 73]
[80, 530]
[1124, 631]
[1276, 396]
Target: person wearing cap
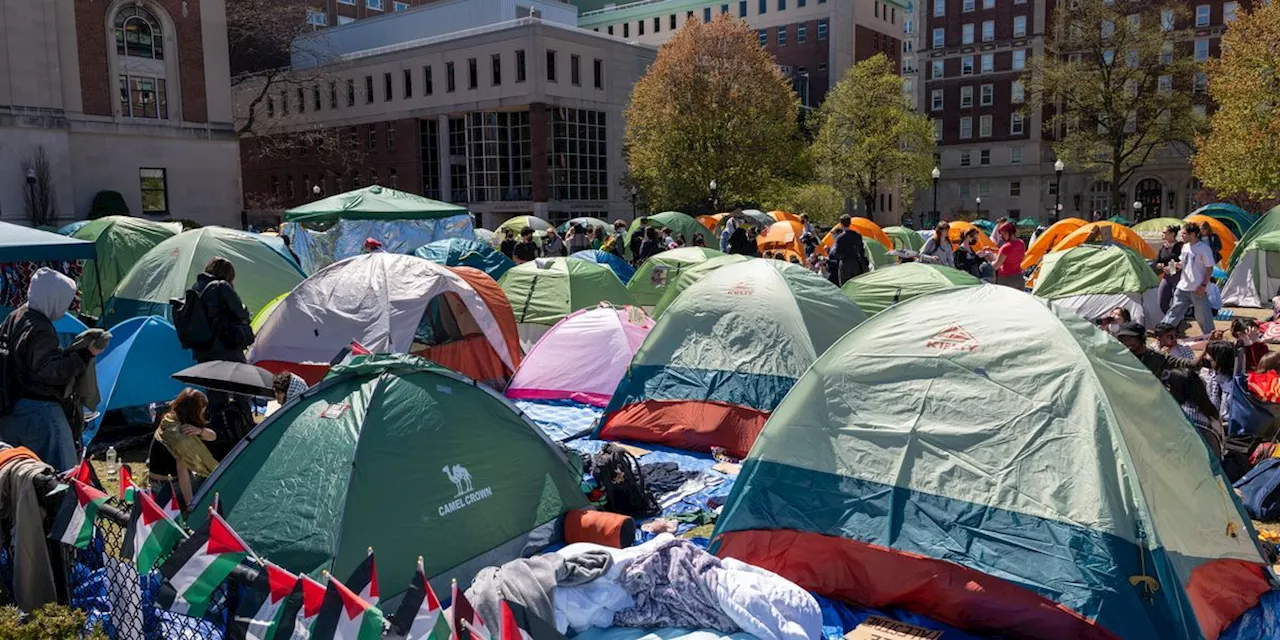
[1192, 291]
[1134, 336]
[1166, 336]
[371, 245]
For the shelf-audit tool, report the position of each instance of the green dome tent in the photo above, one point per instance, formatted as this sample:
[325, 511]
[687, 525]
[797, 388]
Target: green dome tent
[649, 281]
[1156, 225]
[122, 241]
[546, 290]
[877, 290]
[398, 454]
[169, 268]
[1255, 277]
[1267, 222]
[684, 278]
[1091, 280]
[904, 238]
[679, 224]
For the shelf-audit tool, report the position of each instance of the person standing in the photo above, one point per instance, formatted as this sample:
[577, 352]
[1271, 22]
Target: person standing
[1008, 259]
[938, 249]
[228, 319]
[526, 250]
[851, 252]
[40, 373]
[508, 246]
[965, 257]
[1167, 265]
[1191, 291]
[578, 239]
[553, 244]
[731, 224]
[617, 243]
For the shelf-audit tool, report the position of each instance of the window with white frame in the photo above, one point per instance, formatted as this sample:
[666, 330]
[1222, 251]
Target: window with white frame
[142, 76]
[936, 100]
[1201, 83]
[345, 20]
[1019, 26]
[988, 4]
[984, 188]
[986, 95]
[155, 190]
[988, 63]
[1015, 155]
[1017, 92]
[966, 97]
[347, 2]
[1167, 20]
[937, 71]
[822, 29]
[1019, 59]
[964, 158]
[966, 128]
[1016, 124]
[939, 8]
[966, 66]
[1166, 53]
[964, 192]
[376, 5]
[984, 127]
[764, 37]
[1202, 15]
[966, 33]
[988, 30]
[1229, 12]
[317, 18]
[1202, 49]
[984, 157]
[939, 37]
[138, 34]
[1108, 29]
[802, 33]
[1015, 188]
[1131, 58]
[937, 130]
[967, 5]
[399, 6]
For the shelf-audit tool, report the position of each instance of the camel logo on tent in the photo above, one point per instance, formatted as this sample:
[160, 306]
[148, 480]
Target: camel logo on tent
[953, 338]
[740, 289]
[466, 494]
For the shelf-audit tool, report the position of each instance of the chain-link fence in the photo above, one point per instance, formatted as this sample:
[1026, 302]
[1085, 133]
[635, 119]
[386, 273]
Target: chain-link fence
[104, 584]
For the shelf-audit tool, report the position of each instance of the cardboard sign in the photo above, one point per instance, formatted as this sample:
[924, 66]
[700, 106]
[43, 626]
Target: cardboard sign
[879, 628]
[634, 450]
[727, 468]
[335, 410]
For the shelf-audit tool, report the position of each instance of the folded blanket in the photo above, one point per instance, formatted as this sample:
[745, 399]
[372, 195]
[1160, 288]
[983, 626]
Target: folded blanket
[529, 586]
[674, 586]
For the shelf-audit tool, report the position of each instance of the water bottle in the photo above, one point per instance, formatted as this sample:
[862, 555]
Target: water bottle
[112, 461]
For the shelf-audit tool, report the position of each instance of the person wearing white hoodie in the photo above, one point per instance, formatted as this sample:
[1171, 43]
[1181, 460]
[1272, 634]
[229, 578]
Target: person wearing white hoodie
[40, 372]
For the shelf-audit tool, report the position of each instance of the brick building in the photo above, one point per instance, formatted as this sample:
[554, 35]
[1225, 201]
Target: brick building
[970, 54]
[130, 96]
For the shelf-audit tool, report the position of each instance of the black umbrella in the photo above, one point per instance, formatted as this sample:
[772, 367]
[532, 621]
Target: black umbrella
[232, 377]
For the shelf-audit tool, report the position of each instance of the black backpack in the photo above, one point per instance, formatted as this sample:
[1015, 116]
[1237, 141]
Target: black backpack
[191, 320]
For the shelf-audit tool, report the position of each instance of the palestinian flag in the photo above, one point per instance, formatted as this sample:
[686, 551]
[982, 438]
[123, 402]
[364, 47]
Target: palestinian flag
[74, 524]
[508, 629]
[84, 473]
[364, 580]
[260, 611]
[346, 616]
[199, 565]
[167, 498]
[150, 535]
[418, 617]
[467, 624]
[347, 353]
[301, 610]
[216, 503]
[127, 488]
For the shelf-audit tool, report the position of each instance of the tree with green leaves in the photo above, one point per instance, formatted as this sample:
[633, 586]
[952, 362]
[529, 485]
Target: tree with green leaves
[1114, 86]
[868, 136]
[1241, 153]
[821, 202]
[713, 107]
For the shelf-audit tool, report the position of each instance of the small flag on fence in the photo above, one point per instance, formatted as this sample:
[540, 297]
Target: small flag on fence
[74, 524]
[151, 533]
[167, 498]
[199, 565]
[346, 616]
[127, 488]
[260, 611]
[301, 611]
[466, 622]
[84, 473]
[419, 616]
[364, 580]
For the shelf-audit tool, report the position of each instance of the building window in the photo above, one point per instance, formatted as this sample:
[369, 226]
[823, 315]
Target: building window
[964, 192]
[966, 97]
[551, 66]
[1229, 12]
[1202, 15]
[315, 98]
[1017, 92]
[386, 87]
[1167, 19]
[393, 179]
[988, 63]
[597, 73]
[1166, 53]
[966, 66]
[1019, 59]
[352, 138]
[399, 6]
[939, 8]
[391, 136]
[351, 92]
[284, 103]
[371, 137]
[937, 70]
[376, 5]
[345, 19]
[782, 36]
[275, 186]
[984, 127]
[1015, 188]
[802, 33]
[499, 156]
[368, 89]
[271, 105]
[302, 100]
[143, 97]
[138, 34]
[408, 83]
[936, 103]
[763, 8]
[1019, 26]
[578, 156]
[318, 18]
[427, 86]
[987, 95]
[450, 78]
[1016, 124]
[1164, 84]
[988, 30]
[626, 29]
[1202, 50]
[1015, 155]
[939, 37]
[967, 6]
[155, 191]
[782, 5]
[937, 130]
[966, 128]
[706, 14]
[429, 143]
[495, 62]
[984, 188]
[984, 157]
[640, 27]
[333, 94]
[964, 158]
[763, 36]
[473, 73]
[988, 4]
[822, 29]
[966, 33]
[520, 66]
[609, 29]
[1201, 82]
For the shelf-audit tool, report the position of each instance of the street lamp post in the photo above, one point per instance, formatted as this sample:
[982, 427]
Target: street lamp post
[315, 190]
[634, 191]
[714, 204]
[1137, 210]
[977, 202]
[936, 174]
[1057, 188]
[31, 189]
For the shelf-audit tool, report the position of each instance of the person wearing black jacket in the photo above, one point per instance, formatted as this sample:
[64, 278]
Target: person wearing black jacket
[226, 313]
[637, 238]
[508, 246]
[850, 251]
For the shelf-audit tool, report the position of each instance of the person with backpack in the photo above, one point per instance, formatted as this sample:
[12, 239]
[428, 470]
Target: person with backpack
[36, 373]
[850, 251]
[211, 320]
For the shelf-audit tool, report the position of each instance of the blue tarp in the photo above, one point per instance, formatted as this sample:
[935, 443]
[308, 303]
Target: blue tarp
[561, 419]
[319, 249]
[136, 368]
[619, 266]
[24, 244]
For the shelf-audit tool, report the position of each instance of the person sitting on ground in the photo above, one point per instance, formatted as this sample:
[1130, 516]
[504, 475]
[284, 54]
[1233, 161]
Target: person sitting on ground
[508, 246]
[1187, 389]
[1134, 337]
[179, 447]
[1116, 318]
[526, 250]
[287, 386]
[1219, 361]
[1166, 336]
[1248, 339]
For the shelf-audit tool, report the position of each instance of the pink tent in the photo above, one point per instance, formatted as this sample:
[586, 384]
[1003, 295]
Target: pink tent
[582, 357]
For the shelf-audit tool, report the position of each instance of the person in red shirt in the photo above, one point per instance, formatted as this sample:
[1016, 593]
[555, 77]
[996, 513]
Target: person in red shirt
[1007, 262]
[1249, 342]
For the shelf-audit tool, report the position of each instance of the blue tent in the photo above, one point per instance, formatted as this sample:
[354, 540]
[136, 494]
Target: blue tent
[619, 266]
[453, 252]
[69, 229]
[1236, 219]
[68, 327]
[135, 368]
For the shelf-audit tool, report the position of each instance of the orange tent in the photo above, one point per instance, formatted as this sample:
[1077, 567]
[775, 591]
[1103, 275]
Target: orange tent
[783, 216]
[1120, 234]
[1045, 241]
[1222, 231]
[868, 229]
[781, 235]
[960, 227]
[710, 222]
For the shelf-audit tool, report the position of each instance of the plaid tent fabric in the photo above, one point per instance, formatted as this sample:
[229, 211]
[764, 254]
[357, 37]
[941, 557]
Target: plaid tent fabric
[16, 276]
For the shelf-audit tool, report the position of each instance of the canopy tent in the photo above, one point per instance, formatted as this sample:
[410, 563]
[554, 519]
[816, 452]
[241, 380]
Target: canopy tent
[1219, 229]
[121, 241]
[904, 238]
[867, 229]
[1091, 280]
[455, 252]
[651, 279]
[373, 202]
[390, 303]
[397, 454]
[685, 277]
[619, 266]
[1044, 242]
[1236, 219]
[583, 357]
[546, 290]
[24, 244]
[724, 354]
[135, 368]
[168, 269]
[1255, 278]
[680, 225]
[1018, 474]
[601, 226]
[1097, 233]
[877, 290]
[781, 235]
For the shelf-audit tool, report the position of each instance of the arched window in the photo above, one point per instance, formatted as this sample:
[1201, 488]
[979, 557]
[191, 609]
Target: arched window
[138, 34]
